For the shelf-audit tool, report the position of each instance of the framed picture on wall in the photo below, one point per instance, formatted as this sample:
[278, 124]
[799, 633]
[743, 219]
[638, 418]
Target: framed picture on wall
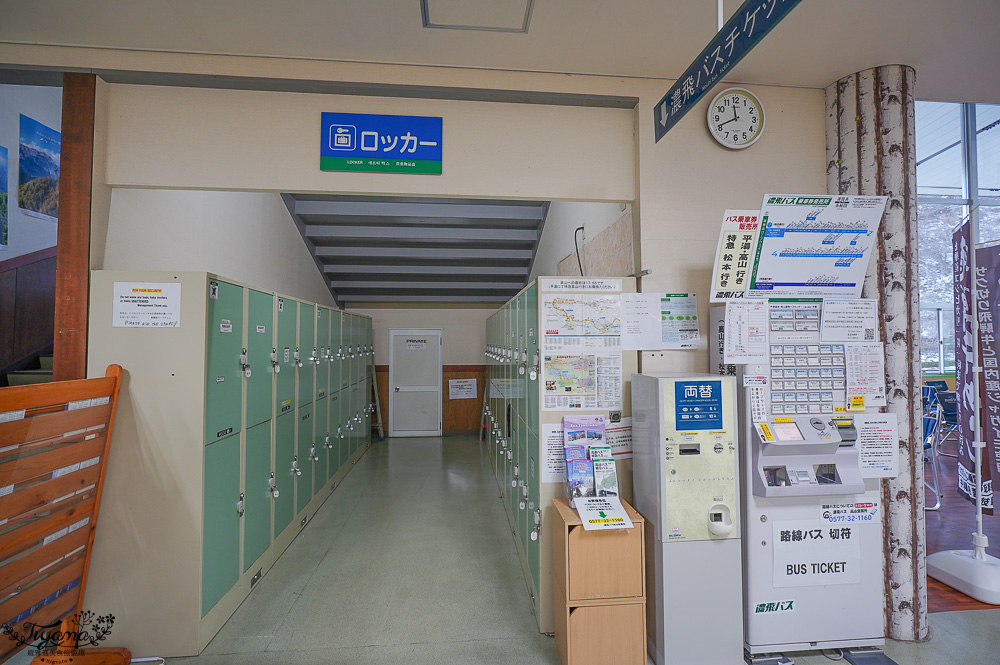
[38, 169]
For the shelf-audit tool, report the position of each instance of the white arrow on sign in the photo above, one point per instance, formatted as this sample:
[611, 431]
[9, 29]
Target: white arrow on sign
[663, 113]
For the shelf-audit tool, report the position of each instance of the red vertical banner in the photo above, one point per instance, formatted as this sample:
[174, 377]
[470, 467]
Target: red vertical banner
[964, 364]
[988, 314]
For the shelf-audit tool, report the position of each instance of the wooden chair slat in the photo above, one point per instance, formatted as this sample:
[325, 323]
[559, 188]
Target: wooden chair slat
[59, 392]
[35, 428]
[23, 568]
[35, 496]
[66, 454]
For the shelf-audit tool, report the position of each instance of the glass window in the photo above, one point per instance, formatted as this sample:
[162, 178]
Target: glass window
[939, 149]
[988, 157]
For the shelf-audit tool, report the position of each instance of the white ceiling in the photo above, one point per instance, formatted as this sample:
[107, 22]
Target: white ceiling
[952, 45]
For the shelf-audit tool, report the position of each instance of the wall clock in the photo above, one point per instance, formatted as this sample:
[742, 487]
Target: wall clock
[736, 118]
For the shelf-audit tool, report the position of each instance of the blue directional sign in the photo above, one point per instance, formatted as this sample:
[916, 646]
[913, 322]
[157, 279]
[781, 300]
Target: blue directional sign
[698, 405]
[380, 143]
[751, 22]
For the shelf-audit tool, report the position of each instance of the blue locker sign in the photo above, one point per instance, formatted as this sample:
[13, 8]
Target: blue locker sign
[698, 405]
[380, 143]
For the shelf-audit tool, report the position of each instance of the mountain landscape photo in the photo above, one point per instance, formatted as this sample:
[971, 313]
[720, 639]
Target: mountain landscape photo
[38, 168]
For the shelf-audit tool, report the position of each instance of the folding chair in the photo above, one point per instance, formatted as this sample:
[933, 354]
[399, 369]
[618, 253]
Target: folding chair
[948, 403]
[930, 456]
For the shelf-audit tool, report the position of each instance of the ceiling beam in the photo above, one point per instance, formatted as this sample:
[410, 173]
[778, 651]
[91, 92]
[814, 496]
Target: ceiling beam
[420, 233]
[342, 286]
[394, 221]
[389, 253]
[417, 210]
[408, 298]
[519, 272]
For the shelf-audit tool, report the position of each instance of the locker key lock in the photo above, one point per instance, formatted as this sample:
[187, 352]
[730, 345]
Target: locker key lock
[534, 534]
[314, 359]
[295, 466]
[520, 369]
[239, 506]
[524, 490]
[538, 517]
[513, 481]
[340, 433]
[298, 362]
[274, 360]
[521, 505]
[244, 364]
[327, 441]
[272, 487]
[533, 374]
[312, 453]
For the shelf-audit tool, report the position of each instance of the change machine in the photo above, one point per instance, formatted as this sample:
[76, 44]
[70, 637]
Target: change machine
[811, 507]
[685, 438]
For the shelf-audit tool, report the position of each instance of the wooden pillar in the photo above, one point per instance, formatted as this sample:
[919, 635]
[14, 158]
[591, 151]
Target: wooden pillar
[73, 244]
[870, 150]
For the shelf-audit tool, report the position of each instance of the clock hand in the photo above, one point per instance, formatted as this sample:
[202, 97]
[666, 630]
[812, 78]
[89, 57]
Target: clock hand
[728, 121]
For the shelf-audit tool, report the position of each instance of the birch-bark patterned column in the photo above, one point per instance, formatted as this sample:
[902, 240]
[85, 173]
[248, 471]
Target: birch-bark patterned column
[869, 143]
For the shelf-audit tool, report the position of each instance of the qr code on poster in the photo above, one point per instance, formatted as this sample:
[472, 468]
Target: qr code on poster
[869, 334]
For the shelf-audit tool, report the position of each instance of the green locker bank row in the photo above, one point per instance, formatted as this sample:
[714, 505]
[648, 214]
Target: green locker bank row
[242, 411]
[516, 424]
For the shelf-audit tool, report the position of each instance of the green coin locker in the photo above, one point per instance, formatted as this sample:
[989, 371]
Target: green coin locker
[303, 444]
[320, 436]
[257, 493]
[323, 341]
[335, 442]
[260, 338]
[286, 324]
[284, 454]
[307, 352]
[221, 524]
[224, 375]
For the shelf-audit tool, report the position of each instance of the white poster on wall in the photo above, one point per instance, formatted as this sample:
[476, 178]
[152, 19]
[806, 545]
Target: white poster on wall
[146, 305]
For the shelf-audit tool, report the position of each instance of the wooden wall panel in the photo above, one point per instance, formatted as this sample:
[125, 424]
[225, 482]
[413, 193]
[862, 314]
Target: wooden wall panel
[27, 302]
[8, 298]
[460, 415]
[36, 294]
[75, 182]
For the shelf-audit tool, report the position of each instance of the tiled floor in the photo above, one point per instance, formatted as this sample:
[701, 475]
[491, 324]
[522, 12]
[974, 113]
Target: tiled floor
[411, 561]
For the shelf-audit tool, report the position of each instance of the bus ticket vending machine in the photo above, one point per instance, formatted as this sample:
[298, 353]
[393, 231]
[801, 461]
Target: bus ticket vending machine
[812, 512]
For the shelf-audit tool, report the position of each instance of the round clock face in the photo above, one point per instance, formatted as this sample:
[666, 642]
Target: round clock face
[736, 118]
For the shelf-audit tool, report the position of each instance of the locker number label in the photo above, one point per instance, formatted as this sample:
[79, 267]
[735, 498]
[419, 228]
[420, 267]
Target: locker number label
[261, 329]
[226, 326]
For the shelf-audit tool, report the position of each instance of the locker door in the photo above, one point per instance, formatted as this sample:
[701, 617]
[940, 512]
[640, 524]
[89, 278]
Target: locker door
[307, 352]
[336, 443]
[221, 538]
[323, 342]
[303, 448]
[352, 417]
[521, 492]
[287, 320]
[336, 351]
[534, 507]
[257, 493]
[284, 454]
[224, 375]
[322, 440]
[260, 341]
[511, 488]
[518, 366]
[534, 361]
[343, 344]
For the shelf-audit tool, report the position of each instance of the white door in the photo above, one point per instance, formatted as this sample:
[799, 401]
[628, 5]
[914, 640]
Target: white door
[414, 382]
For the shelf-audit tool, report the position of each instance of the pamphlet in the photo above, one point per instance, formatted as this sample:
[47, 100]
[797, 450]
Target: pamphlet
[580, 478]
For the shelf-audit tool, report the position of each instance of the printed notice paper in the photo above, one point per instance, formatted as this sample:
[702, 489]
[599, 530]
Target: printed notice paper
[462, 389]
[865, 375]
[849, 321]
[641, 330]
[602, 512]
[878, 444]
[553, 460]
[746, 331]
[146, 305]
[679, 314]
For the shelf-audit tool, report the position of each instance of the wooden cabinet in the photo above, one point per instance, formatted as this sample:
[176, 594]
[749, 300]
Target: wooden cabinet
[600, 590]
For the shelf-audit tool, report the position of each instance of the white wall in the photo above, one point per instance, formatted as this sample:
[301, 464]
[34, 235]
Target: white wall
[246, 236]
[463, 330]
[26, 233]
[563, 219]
